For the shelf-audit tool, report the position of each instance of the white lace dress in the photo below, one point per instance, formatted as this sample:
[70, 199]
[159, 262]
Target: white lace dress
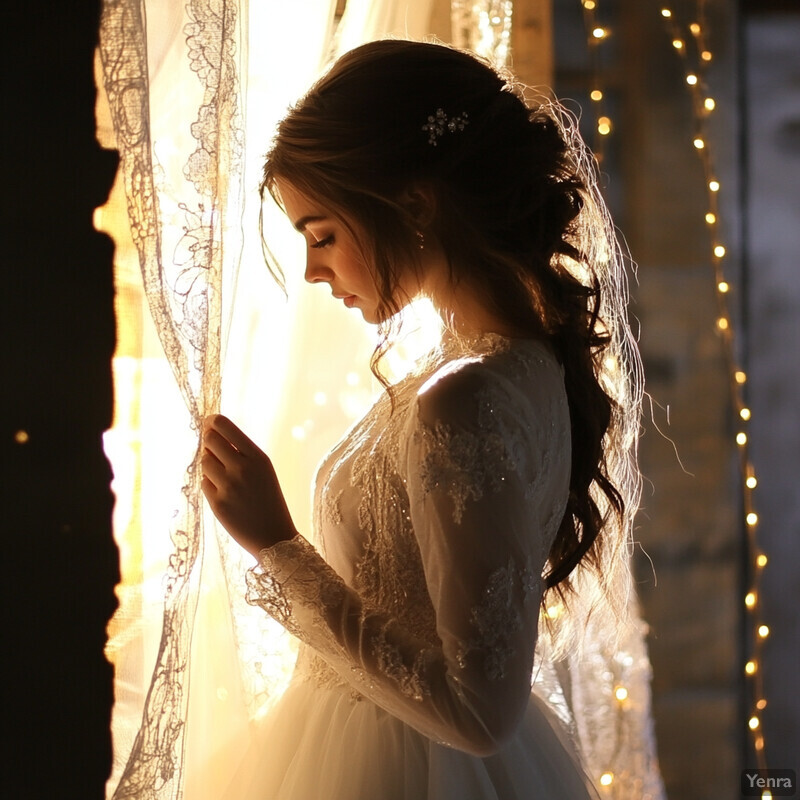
[418, 608]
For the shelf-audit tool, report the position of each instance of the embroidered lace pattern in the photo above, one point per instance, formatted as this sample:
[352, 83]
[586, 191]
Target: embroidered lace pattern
[497, 619]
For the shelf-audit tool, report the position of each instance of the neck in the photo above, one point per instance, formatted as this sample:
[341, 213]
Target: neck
[463, 309]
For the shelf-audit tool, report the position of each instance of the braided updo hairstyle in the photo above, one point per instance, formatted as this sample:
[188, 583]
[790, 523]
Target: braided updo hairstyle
[520, 219]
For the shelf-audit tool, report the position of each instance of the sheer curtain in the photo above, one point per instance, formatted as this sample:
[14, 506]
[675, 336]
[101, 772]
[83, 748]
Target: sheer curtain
[190, 92]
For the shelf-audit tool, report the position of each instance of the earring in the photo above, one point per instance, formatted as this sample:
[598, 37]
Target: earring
[420, 240]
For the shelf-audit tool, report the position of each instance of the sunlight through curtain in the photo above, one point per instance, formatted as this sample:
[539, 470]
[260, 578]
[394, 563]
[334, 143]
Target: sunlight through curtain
[190, 94]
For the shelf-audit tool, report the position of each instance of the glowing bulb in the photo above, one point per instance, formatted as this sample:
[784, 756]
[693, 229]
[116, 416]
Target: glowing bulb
[589, 5]
[713, 186]
[599, 33]
[723, 287]
[320, 398]
[21, 437]
[750, 667]
[666, 13]
[741, 377]
[695, 28]
[759, 743]
[751, 482]
[752, 519]
[621, 693]
[706, 55]
[554, 612]
[677, 44]
[763, 631]
[596, 95]
[745, 414]
[604, 126]
[741, 438]
[750, 599]
[691, 79]
[719, 251]
[607, 778]
[722, 323]
[709, 104]
[761, 704]
[761, 561]
[711, 218]
[699, 143]
[766, 795]
[753, 723]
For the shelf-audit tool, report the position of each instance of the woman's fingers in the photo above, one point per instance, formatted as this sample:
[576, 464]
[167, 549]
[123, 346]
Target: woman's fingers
[223, 427]
[213, 468]
[219, 447]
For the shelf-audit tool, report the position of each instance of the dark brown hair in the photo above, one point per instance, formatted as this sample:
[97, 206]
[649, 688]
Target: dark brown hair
[517, 214]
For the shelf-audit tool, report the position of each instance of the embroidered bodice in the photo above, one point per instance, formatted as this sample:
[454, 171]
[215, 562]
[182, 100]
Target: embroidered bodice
[433, 521]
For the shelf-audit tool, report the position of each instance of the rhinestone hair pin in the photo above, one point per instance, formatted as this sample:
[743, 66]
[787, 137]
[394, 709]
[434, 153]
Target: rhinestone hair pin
[439, 124]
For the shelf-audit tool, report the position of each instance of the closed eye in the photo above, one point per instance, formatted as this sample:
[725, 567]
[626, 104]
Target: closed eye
[328, 240]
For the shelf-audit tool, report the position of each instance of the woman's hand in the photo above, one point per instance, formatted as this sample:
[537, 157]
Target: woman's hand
[241, 487]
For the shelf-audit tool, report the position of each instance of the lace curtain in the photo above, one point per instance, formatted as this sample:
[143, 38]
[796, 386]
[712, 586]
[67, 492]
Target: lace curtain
[189, 95]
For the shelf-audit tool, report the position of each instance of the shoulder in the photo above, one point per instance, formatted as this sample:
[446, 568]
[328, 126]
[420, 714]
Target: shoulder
[520, 377]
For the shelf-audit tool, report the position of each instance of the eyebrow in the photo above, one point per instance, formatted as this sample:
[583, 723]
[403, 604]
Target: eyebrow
[300, 225]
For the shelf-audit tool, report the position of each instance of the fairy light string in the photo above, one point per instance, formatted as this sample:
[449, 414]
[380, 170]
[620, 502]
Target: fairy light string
[596, 35]
[690, 42]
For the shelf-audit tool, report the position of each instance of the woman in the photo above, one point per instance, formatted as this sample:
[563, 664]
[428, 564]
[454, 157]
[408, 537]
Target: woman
[494, 483]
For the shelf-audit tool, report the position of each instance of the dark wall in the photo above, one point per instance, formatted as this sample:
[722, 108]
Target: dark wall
[59, 563]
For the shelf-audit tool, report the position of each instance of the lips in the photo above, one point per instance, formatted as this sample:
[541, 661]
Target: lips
[348, 299]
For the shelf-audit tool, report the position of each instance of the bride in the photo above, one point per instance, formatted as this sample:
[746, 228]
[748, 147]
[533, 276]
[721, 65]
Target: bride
[463, 602]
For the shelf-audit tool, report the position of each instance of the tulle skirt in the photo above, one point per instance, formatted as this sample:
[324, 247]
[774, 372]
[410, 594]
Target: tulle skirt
[324, 744]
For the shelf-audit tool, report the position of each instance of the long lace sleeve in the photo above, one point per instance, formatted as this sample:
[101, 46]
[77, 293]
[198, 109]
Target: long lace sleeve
[484, 462]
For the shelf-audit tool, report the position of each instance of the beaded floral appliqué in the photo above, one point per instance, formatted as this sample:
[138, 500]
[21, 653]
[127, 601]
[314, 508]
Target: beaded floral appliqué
[498, 618]
[470, 464]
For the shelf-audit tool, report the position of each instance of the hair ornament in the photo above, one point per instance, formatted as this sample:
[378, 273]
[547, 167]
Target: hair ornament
[438, 124]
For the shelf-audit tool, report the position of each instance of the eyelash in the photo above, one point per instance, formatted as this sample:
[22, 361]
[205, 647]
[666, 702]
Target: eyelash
[328, 240]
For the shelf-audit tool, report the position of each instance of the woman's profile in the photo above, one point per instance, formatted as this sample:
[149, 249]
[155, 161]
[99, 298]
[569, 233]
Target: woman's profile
[463, 602]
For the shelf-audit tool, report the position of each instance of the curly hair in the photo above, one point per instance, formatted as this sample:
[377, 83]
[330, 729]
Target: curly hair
[520, 219]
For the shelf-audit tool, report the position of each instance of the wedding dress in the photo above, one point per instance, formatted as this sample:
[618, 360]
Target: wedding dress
[418, 608]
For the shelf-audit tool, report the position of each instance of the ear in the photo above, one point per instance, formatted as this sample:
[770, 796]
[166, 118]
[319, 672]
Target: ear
[419, 201]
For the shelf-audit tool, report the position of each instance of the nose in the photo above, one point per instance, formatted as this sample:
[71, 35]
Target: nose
[317, 272]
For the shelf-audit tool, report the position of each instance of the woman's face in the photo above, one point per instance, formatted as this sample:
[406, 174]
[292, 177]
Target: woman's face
[333, 255]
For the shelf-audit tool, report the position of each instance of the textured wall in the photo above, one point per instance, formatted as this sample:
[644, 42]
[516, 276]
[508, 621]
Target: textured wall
[773, 354]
